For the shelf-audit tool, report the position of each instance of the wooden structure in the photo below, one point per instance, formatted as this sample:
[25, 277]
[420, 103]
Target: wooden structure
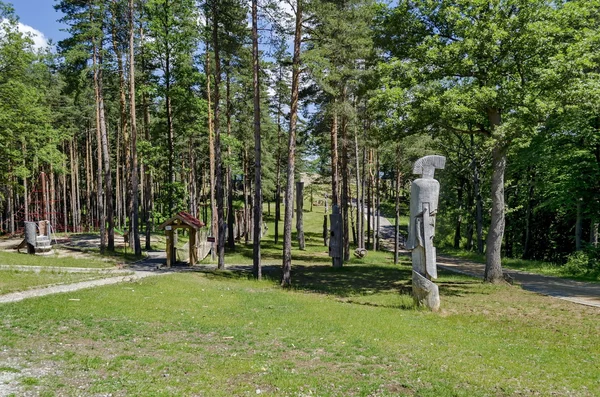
[182, 220]
[37, 238]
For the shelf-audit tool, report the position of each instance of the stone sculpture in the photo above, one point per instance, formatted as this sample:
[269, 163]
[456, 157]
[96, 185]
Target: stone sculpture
[424, 195]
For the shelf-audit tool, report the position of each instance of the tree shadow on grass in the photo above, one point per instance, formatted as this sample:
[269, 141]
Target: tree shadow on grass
[369, 282]
[350, 280]
[312, 272]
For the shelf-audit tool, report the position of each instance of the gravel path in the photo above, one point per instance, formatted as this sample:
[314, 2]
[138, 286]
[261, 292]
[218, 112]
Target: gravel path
[139, 270]
[38, 269]
[574, 291]
[570, 290]
[56, 289]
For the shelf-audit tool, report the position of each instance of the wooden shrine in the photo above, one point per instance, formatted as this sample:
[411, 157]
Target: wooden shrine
[182, 220]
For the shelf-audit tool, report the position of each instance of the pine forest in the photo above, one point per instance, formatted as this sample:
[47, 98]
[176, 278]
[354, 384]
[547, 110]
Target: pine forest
[220, 107]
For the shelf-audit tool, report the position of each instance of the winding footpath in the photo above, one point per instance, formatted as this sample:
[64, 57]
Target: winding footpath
[139, 271]
[583, 293]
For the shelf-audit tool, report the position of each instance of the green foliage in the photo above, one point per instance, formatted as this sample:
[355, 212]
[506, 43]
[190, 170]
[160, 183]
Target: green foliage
[170, 190]
[27, 135]
[584, 263]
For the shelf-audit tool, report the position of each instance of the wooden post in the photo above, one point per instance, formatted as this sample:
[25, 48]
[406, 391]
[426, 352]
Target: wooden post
[325, 228]
[336, 241]
[397, 216]
[193, 247]
[169, 235]
[44, 196]
[299, 218]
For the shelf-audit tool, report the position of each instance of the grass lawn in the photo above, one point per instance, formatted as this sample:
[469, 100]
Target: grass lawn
[339, 332]
[15, 280]
[351, 331]
[12, 258]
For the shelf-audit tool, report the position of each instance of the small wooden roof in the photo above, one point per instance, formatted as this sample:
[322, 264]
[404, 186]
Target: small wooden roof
[183, 219]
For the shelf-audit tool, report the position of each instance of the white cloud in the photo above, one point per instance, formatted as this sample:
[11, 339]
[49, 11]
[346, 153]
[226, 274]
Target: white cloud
[39, 40]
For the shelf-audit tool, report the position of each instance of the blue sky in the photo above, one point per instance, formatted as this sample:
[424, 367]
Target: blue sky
[40, 15]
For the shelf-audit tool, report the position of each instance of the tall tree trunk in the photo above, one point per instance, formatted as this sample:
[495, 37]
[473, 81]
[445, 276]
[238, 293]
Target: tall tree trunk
[78, 191]
[133, 214]
[300, 215]
[345, 183]
[459, 216]
[257, 148]
[106, 160]
[362, 197]
[397, 206]
[64, 195]
[211, 150]
[123, 128]
[218, 163]
[377, 206]
[88, 180]
[335, 198]
[278, 165]
[286, 279]
[170, 147]
[359, 206]
[192, 179]
[147, 171]
[120, 212]
[11, 207]
[73, 188]
[369, 204]
[246, 198]
[52, 198]
[99, 185]
[493, 265]
[230, 211]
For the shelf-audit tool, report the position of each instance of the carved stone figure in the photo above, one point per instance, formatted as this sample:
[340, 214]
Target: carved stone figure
[424, 195]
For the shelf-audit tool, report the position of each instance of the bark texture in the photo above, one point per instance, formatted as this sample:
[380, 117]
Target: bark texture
[256, 268]
[286, 278]
[493, 266]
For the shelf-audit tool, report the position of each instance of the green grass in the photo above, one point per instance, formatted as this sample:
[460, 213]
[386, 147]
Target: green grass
[15, 280]
[388, 210]
[531, 266]
[339, 332]
[351, 331]
[12, 258]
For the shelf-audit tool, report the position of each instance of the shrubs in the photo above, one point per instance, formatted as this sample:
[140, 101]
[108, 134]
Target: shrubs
[583, 263]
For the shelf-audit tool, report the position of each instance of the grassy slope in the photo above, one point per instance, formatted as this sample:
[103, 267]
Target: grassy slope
[222, 335]
[339, 332]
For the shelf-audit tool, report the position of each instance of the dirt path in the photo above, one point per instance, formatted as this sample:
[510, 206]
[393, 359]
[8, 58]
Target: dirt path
[574, 291]
[138, 271]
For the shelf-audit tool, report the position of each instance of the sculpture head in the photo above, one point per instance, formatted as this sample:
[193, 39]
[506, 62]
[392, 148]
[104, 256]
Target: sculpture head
[426, 166]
